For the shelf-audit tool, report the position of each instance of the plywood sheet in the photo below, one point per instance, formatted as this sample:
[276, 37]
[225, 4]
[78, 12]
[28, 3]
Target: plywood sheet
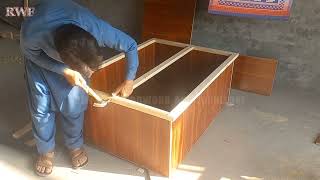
[166, 89]
[254, 74]
[130, 134]
[109, 78]
[192, 123]
[169, 20]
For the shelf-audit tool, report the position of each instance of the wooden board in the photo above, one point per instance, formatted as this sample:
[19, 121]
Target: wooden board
[108, 79]
[254, 74]
[170, 20]
[192, 123]
[130, 134]
[167, 88]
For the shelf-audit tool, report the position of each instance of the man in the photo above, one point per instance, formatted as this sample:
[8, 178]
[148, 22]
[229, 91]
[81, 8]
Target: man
[60, 43]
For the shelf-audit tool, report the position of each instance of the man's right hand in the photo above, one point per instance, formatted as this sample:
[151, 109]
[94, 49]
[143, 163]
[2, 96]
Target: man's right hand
[75, 79]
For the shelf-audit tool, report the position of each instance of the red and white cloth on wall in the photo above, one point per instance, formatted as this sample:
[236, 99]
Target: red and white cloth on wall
[269, 9]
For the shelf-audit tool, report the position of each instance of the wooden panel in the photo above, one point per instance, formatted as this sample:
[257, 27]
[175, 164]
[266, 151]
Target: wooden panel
[167, 88]
[109, 78]
[254, 74]
[170, 20]
[135, 136]
[163, 52]
[146, 59]
[192, 123]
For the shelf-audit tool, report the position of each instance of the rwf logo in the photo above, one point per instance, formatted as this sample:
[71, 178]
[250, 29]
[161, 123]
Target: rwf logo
[19, 11]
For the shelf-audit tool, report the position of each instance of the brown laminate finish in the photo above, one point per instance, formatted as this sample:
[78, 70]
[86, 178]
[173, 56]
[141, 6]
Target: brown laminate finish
[254, 74]
[108, 79]
[170, 20]
[130, 134]
[166, 89]
[192, 123]
[160, 135]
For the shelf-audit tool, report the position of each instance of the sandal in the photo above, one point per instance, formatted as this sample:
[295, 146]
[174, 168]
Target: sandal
[79, 158]
[44, 164]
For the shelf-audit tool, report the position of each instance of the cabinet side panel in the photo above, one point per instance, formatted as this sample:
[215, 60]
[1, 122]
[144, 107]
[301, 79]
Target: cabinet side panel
[192, 123]
[254, 74]
[164, 52]
[129, 134]
[110, 77]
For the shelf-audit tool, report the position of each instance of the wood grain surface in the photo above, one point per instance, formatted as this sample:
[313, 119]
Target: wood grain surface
[109, 78]
[151, 141]
[143, 131]
[135, 136]
[192, 123]
[170, 20]
[254, 74]
[167, 88]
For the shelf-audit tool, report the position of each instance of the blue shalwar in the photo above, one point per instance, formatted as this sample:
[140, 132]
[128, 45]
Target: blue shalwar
[48, 91]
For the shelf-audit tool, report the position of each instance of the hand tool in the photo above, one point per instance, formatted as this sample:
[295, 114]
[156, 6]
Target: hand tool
[100, 102]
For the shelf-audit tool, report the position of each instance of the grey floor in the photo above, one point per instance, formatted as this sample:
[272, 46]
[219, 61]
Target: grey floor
[254, 138]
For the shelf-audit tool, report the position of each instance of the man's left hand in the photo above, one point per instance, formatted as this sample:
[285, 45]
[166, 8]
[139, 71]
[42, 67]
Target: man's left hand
[125, 89]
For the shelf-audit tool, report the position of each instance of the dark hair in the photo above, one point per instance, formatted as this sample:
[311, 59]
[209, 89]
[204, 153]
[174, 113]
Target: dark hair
[77, 48]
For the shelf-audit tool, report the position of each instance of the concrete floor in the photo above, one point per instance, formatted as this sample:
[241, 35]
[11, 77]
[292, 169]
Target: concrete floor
[255, 137]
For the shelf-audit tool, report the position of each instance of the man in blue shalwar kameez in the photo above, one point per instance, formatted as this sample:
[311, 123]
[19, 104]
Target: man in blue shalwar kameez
[60, 44]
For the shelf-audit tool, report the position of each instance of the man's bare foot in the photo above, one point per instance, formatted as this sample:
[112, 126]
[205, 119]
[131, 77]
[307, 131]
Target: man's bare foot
[44, 164]
[79, 158]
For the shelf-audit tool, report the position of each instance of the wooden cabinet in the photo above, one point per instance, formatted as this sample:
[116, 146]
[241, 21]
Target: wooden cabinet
[179, 90]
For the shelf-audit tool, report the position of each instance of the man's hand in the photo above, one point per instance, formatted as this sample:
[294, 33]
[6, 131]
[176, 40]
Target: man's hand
[75, 79]
[125, 89]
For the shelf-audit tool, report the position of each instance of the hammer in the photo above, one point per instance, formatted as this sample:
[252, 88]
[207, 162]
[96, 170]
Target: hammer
[100, 102]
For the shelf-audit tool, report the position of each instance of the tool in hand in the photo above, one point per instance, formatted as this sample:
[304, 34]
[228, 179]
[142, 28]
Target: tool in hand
[100, 102]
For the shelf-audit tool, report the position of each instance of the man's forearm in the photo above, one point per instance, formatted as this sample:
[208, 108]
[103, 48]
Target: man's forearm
[132, 64]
